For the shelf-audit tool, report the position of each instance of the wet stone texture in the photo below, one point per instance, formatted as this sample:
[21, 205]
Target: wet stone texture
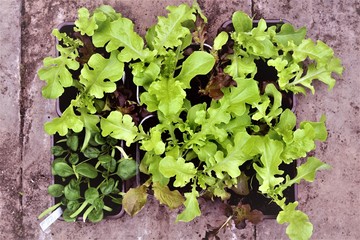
[331, 201]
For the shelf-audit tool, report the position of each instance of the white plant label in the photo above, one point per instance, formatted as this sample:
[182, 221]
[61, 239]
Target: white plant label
[51, 219]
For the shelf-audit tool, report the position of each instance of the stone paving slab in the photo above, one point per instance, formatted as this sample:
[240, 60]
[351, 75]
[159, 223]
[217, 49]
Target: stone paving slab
[10, 123]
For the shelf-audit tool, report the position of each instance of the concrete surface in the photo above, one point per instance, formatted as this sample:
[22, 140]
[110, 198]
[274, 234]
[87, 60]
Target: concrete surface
[331, 201]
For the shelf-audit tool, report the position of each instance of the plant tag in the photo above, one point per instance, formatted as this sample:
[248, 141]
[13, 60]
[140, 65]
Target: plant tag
[51, 219]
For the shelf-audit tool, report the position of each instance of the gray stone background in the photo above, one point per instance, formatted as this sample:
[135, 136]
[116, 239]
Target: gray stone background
[331, 202]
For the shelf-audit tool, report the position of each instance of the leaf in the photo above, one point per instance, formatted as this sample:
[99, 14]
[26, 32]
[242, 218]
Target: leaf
[120, 34]
[154, 143]
[127, 169]
[72, 142]
[299, 227]
[220, 40]
[56, 74]
[73, 158]
[96, 215]
[107, 186]
[103, 74]
[63, 169]
[302, 143]
[319, 128]
[286, 125]
[267, 174]
[241, 21]
[172, 199]
[306, 171]
[86, 170]
[57, 151]
[234, 159]
[91, 152]
[183, 172]
[56, 190]
[91, 194]
[105, 158]
[119, 126]
[269, 109]
[68, 120]
[243, 212]
[72, 190]
[145, 75]
[134, 200]
[289, 34]
[169, 94]
[90, 124]
[198, 63]
[170, 31]
[192, 209]
[236, 98]
[241, 67]
[85, 24]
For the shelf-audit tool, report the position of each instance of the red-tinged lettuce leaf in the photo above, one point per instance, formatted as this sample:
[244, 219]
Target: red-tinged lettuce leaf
[244, 212]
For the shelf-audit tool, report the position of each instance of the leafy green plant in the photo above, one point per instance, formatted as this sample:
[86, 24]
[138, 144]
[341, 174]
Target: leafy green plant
[89, 179]
[197, 148]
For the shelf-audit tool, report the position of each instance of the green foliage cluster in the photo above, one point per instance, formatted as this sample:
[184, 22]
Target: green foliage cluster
[200, 147]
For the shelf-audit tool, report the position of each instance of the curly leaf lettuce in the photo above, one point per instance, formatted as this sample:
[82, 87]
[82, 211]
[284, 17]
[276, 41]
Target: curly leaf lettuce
[96, 79]
[119, 126]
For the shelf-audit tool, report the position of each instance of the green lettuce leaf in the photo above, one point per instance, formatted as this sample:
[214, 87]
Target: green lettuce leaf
[119, 126]
[102, 69]
[198, 63]
[299, 227]
[268, 171]
[178, 168]
[169, 30]
[61, 125]
[192, 209]
[169, 94]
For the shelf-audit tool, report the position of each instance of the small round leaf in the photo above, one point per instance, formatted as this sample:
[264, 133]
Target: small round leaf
[96, 215]
[127, 169]
[73, 142]
[57, 151]
[87, 170]
[91, 194]
[72, 191]
[105, 158]
[108, 186]
[74, 158]
[91, 152]
[62, 169]
[56, 190]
